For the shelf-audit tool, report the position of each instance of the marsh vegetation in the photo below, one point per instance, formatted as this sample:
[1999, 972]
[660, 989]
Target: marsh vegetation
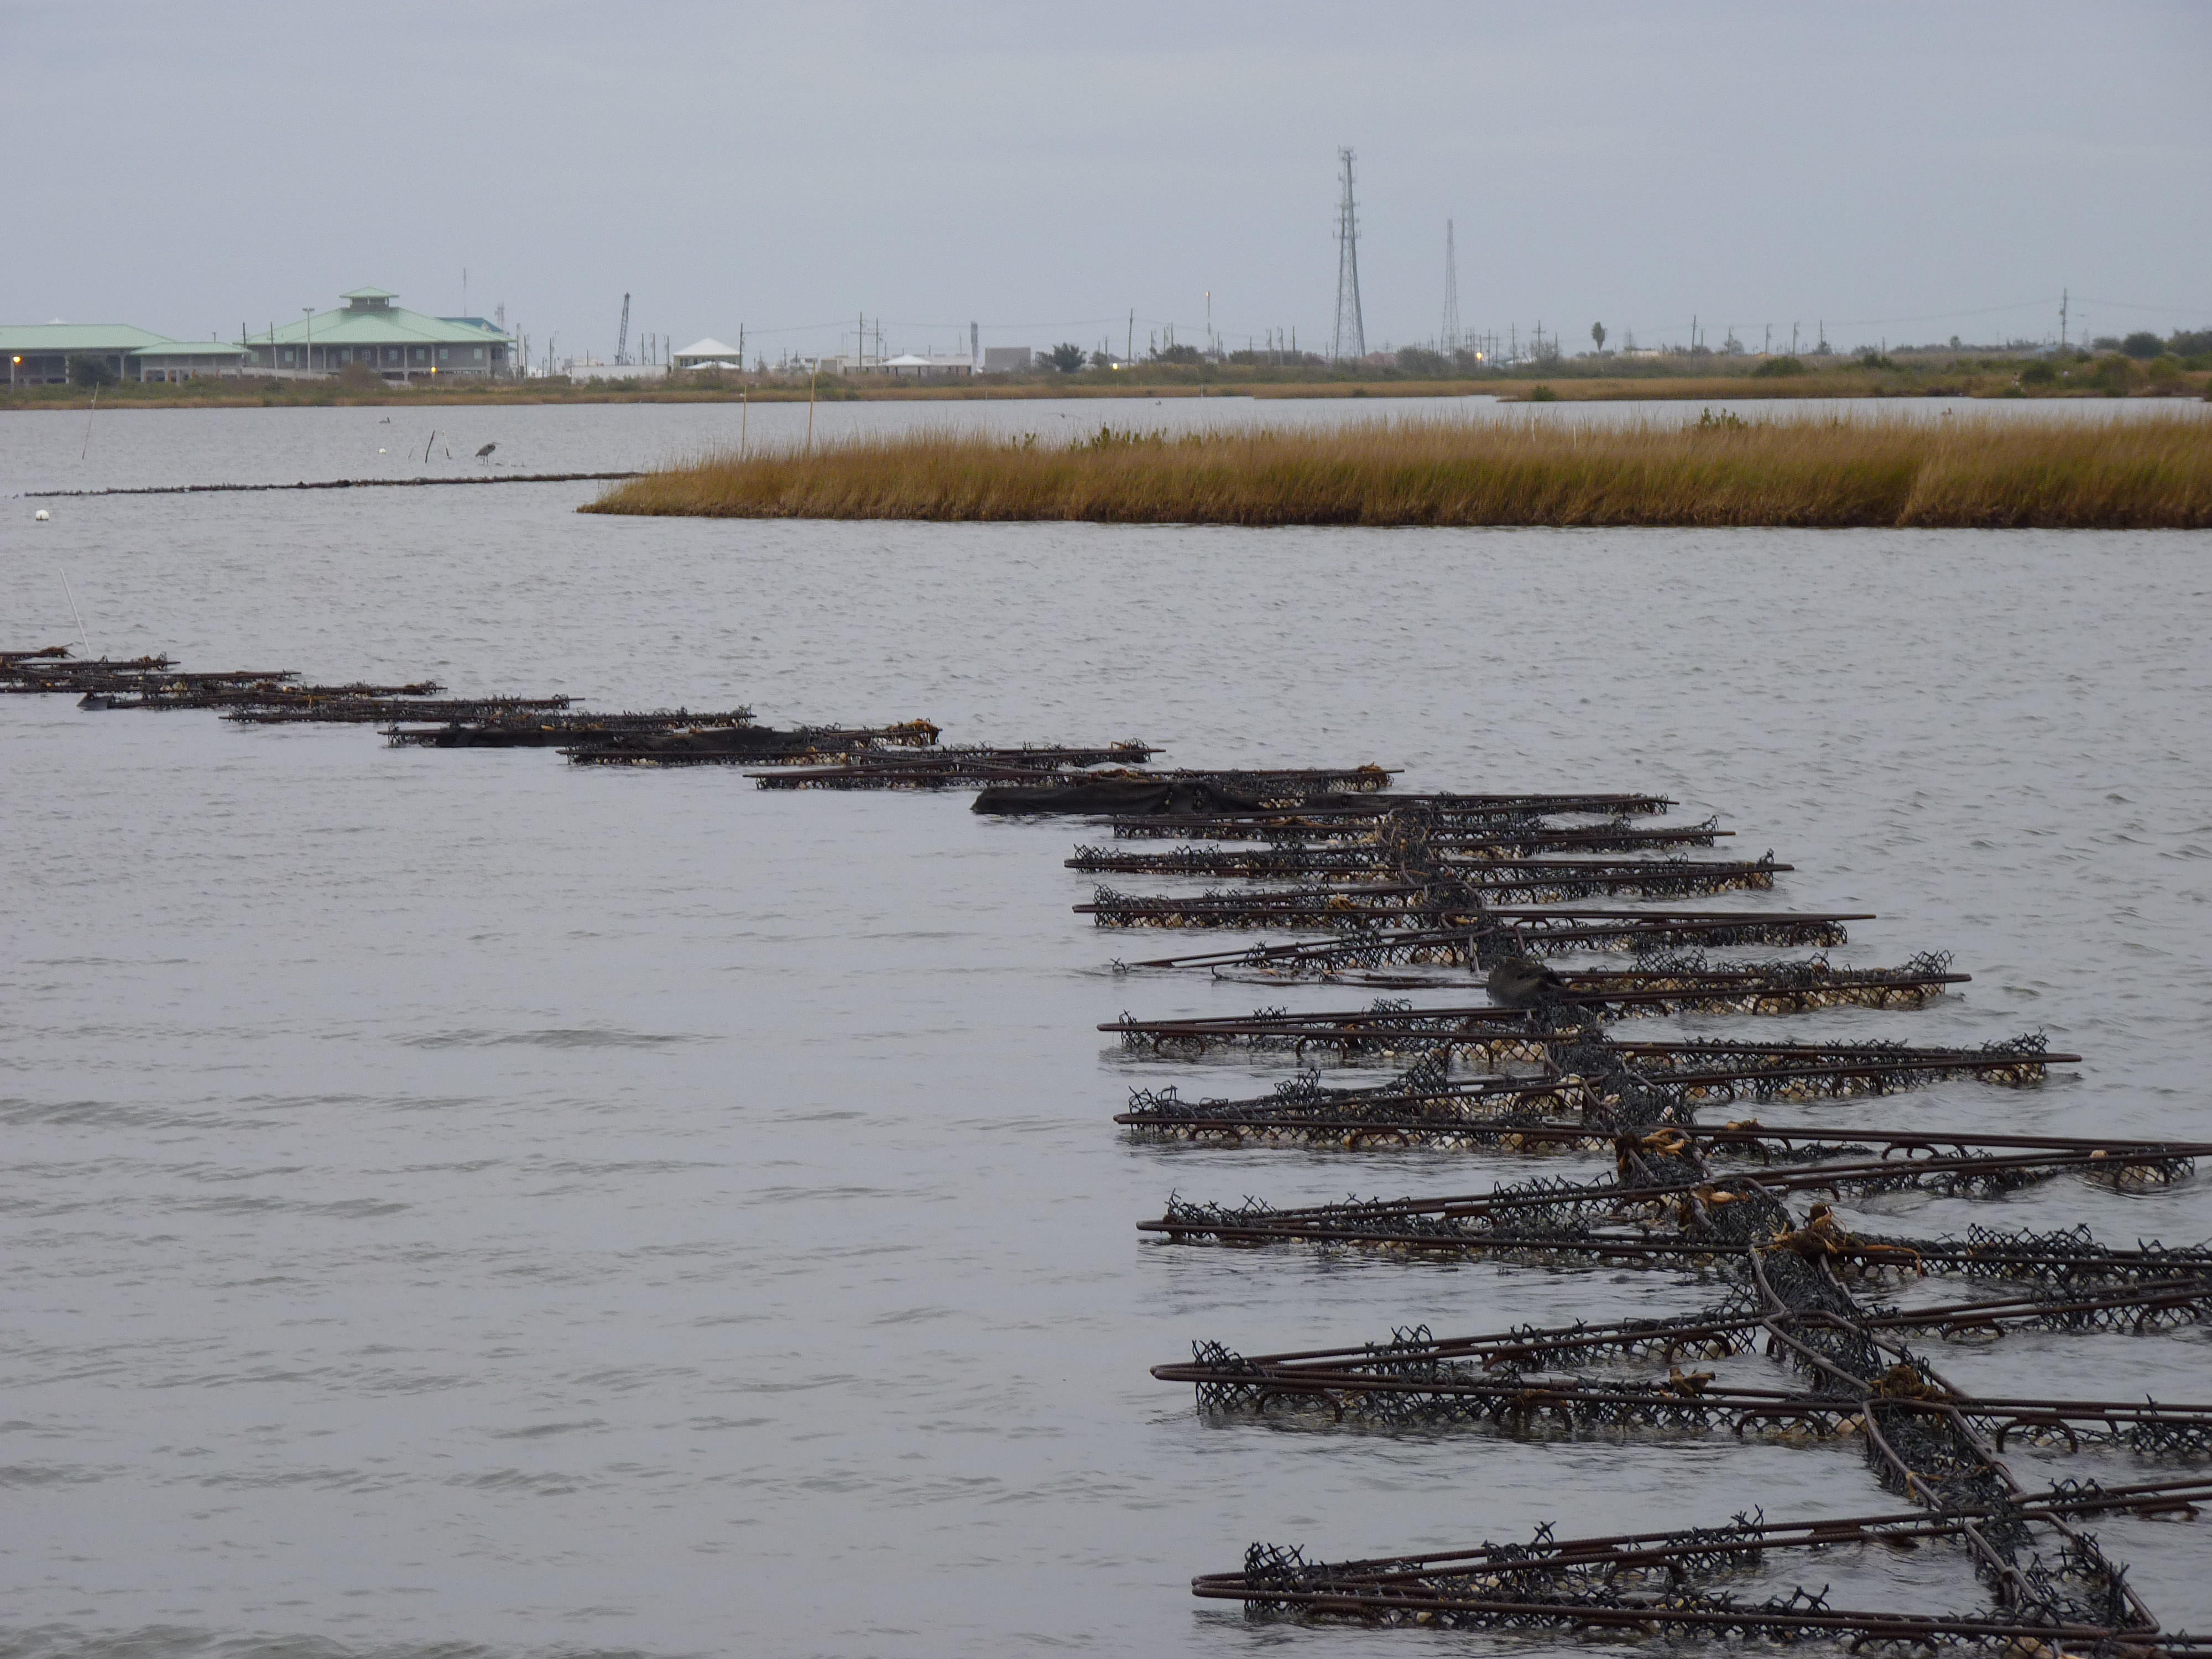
[2153, 472]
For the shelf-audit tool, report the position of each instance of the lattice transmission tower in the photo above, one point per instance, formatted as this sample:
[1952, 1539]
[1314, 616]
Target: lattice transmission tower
[1351, 333]
[1447, 342]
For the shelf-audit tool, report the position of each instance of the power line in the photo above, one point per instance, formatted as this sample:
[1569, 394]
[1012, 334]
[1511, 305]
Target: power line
[1940, 316]
[2136, 304]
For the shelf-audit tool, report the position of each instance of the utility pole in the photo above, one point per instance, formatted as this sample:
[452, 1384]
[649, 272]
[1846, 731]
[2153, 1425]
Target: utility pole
[1793, 339]
[1351, 339]
[1449, 340]
[2062, 297]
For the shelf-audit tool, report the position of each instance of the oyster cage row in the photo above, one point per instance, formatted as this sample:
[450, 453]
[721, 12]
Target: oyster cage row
[1796, 1325]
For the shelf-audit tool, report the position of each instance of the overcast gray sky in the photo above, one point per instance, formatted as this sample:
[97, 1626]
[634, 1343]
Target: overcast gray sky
[1907, 171]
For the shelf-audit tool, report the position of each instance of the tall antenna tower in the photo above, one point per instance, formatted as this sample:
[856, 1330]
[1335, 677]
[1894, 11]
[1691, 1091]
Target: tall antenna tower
[621, 339]
[1449, 342]
[1351, 333]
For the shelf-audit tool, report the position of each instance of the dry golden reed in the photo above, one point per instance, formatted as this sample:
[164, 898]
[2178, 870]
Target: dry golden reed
[2150, 473]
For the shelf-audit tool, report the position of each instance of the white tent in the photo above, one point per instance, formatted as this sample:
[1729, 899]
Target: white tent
[708, 354]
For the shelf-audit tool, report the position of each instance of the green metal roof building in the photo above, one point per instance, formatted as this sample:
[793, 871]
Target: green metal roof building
[397, 344]
[185, 359]
[39, 354]
[369, 329]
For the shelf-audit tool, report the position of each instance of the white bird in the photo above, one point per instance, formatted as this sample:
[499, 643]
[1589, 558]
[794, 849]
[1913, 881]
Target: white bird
[42, 515]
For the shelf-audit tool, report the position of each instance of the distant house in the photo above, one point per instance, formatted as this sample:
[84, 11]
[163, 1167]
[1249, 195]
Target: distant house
[920, 366]
[709, 353]
[913, 364]
[39, 354]
[397, 344]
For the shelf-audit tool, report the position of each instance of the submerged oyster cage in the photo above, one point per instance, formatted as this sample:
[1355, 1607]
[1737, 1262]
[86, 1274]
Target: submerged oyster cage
[1800, 1345]
[1790, 1336]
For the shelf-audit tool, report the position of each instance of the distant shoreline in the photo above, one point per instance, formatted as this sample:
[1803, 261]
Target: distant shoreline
[1851, 382]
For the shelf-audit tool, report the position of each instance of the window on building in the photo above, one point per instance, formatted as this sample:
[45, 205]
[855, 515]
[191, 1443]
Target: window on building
[288, 353]
[445, 354]
[479, 350]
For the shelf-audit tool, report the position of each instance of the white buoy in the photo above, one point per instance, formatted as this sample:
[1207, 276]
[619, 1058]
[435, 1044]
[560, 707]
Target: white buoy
[42, 515]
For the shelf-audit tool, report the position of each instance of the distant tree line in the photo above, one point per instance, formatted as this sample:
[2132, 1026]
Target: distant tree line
[2145, 345]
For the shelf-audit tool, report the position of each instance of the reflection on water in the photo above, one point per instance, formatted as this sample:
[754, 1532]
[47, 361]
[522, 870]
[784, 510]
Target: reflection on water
[460, 1198]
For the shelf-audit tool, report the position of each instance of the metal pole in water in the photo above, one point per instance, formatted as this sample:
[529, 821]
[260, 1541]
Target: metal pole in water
[84, 447]
[745, 416]
[73, 612]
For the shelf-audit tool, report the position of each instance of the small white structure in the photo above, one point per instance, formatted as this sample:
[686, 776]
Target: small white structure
[919, 366]
[709, 353]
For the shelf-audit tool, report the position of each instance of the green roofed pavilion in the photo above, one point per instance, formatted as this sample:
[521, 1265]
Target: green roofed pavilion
[371, 331]
[186, 360]
[39, 354]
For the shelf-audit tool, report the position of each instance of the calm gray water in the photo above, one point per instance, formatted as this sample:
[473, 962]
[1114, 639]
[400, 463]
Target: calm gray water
[461, 1202]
